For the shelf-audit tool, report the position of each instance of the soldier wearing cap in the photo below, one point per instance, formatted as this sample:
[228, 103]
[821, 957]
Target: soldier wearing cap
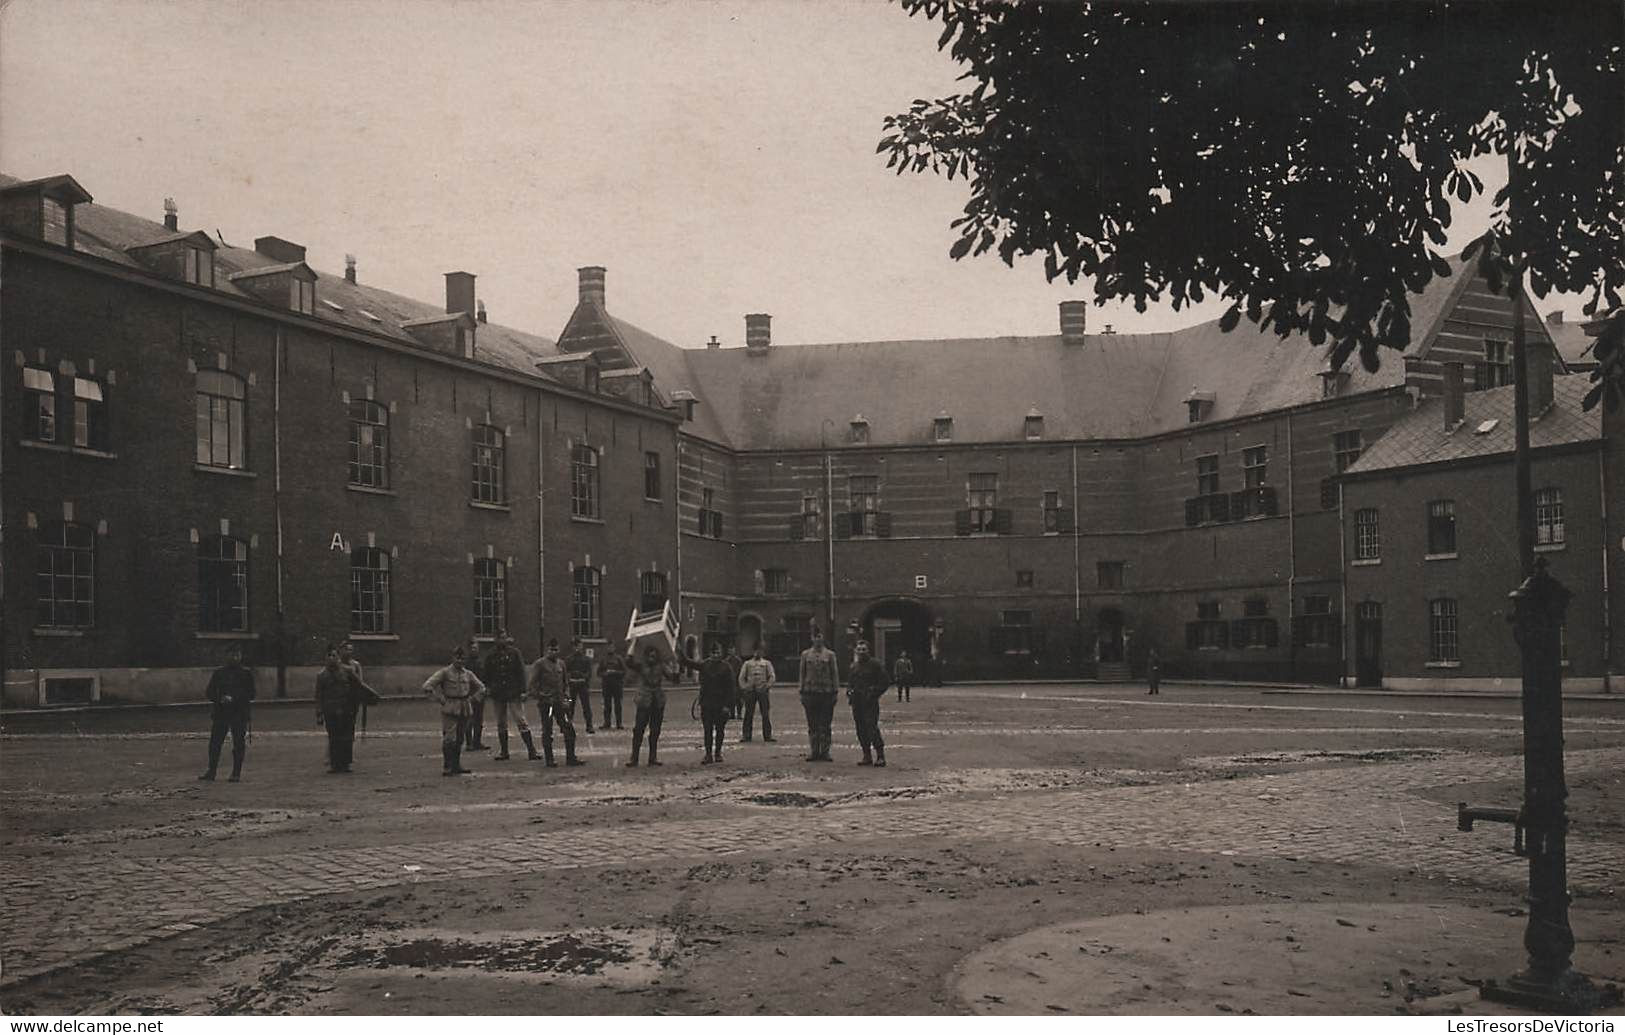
[865, 685]
[578, 679]
[505, 682]
[456, 688]
[547, 685]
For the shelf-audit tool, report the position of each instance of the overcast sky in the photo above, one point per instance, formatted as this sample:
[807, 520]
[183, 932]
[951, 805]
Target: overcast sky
[718, 158]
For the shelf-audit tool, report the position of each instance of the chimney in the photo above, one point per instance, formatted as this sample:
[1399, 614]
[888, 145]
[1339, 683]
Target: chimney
[460, 293]
[1539, 368]
[479, 311]
[280, 250]
[1454, 404]
[349, 268]
[171, 215]
[591, 285]
[1074, 317]
[713, 343]
[758, 333]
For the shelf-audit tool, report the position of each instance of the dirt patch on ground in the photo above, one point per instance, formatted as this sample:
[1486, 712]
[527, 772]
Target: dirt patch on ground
[1299, 758]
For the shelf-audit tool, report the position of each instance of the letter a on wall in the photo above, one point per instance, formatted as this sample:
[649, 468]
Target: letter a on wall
[338, 543]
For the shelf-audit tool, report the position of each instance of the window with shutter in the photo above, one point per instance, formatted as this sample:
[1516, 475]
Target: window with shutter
[1002, 521]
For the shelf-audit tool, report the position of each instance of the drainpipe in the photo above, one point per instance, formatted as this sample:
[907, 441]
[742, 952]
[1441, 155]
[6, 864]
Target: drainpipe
[1607, 541]
[677, 531]
[1077, 572]
[1342, 592]
[541, 530]
[276, 506]
[829, 543]
[1291, 559]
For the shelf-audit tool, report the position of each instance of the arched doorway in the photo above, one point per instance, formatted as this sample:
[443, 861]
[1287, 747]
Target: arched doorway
[897, 624]
[1109, 635]
[750, 633]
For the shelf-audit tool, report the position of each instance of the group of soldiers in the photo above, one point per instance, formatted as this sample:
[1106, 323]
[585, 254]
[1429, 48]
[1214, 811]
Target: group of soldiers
[730, 687]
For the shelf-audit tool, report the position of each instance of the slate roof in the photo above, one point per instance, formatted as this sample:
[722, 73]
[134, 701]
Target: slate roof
[1420, 437]
[106, 233]
[1573, 343]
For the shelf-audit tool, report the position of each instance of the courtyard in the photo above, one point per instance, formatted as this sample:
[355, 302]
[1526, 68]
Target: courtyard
[1046, 848]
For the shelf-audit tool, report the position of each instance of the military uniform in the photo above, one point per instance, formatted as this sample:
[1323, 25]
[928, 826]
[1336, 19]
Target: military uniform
[505, 683]
[456, 689]
[612, 678]
[547, 686]
[819, 685]
[578, 677]
[756, 678]
[718, 687]
[866, 685]
[231, 691]
[903, 671]
[337, 700]
[651, 704]
[474, 738]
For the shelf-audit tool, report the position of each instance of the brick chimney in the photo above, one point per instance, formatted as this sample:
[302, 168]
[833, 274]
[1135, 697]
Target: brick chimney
[1074, 318]
[1539, 364]
[171, 215]
[349, 268]
[591, 285]
[1454, 403]
[758, 333]
[460, 292]
[280, 250]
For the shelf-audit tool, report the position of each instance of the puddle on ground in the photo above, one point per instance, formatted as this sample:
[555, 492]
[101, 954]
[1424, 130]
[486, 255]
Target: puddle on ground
[1302, 757]
[631, 956]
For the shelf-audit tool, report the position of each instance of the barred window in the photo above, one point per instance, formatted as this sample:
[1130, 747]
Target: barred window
[651, 476]
[1549, 516]
[1367, 535]
[982, 493]
[490, 596]
[1346, 448]
[490, 465]
[651, 591]
[1255, 465]
[942, 429]
[222, 584]
[864, 492]
[369, 590]
[584, 482]
[1443, 645]
[369, 444]
[222, 420]
[775, 580]
[584, 603]
[710, 518]
[39, 405]
[65, 577]
[1442, 527]
[1207, 475]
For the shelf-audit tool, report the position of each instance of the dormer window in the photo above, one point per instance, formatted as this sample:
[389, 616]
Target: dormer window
[1333, 383]
[1032, 428]
[292, 284]
[302, 296]
[859, 431]
[199, 267]
[42, 209]
[590, 377]
[942, 428]
[186, 257]
[1199, 405]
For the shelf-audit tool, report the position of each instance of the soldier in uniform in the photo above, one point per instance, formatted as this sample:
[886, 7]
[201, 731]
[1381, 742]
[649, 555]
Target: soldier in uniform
[547, 685]
[612, 677]
[231, 691]
[756, 678]
[456, 687]
[820, 682]
[865, 685]
[578, 677]
[336, 704]
[1153, 670]
[505, 681]
[903, 671]
[474, 739]
[718, 688]
[735, 663]
[651, 700]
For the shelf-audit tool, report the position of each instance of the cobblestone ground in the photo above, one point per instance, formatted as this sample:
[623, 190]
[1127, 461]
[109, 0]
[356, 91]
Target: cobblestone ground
[107, 894]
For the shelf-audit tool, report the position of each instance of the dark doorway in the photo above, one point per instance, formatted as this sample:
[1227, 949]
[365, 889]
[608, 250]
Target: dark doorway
[1109, 635]
[1368, 644]
[893, 626]
[750, 634]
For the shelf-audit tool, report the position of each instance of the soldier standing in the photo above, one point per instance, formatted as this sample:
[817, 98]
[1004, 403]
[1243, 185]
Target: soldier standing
[903, 672]
[756, 678]
[504, 678]
[651, 700]
[735, 663]
[819, 684]
[231, 691]
[456, 687]
[1153, 670]
[547, 686]
[578, 677]
[865, 686]
[718, 687]
[612, 678]
[336, 703]
[474, 740]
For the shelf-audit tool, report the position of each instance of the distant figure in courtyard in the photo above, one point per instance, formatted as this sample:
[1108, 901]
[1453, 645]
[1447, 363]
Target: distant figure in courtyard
[337, 700]
[230, 693]
[612, 678]
[651, 700]
[504, 678]
[547, 685]
[474, 738]
[456, 687]
[756, 678]
[735, 663]
[718, 687]
[820, 682]
[578, 679]
[1153, 670]
[903, 674]
[866, 684]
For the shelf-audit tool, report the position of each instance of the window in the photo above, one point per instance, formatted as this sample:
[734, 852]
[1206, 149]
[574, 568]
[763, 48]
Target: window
[859, 432]
[1318, 623]
[1109, 574]
[775, 580]
[1549, 517]
[942, 429]
[1254, 466]
[809, 516]
[369, 590]
[39, 405]
[490, 465]
[1497, 363]
[1207, 610]
[797, 635]
[1256, 630]
[490, 596]
[1442, 528]
[89, 414]
[1014, 634]
[1024, 580]
[200, 266]
[222, 420]
[222, 584]
[1052, 511]
[1208, 632]
[584, 482]
[710, 516]
[651, 476]
[1443, 646]
[1207, 475]
[1367, 535]
[302, 296]
[66, 577]
[1255, 607]
[1346, 449]
[982, 494]
[584, 604]
[863, 495]
[651, 591]
[369, 444]
[1033, 427]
